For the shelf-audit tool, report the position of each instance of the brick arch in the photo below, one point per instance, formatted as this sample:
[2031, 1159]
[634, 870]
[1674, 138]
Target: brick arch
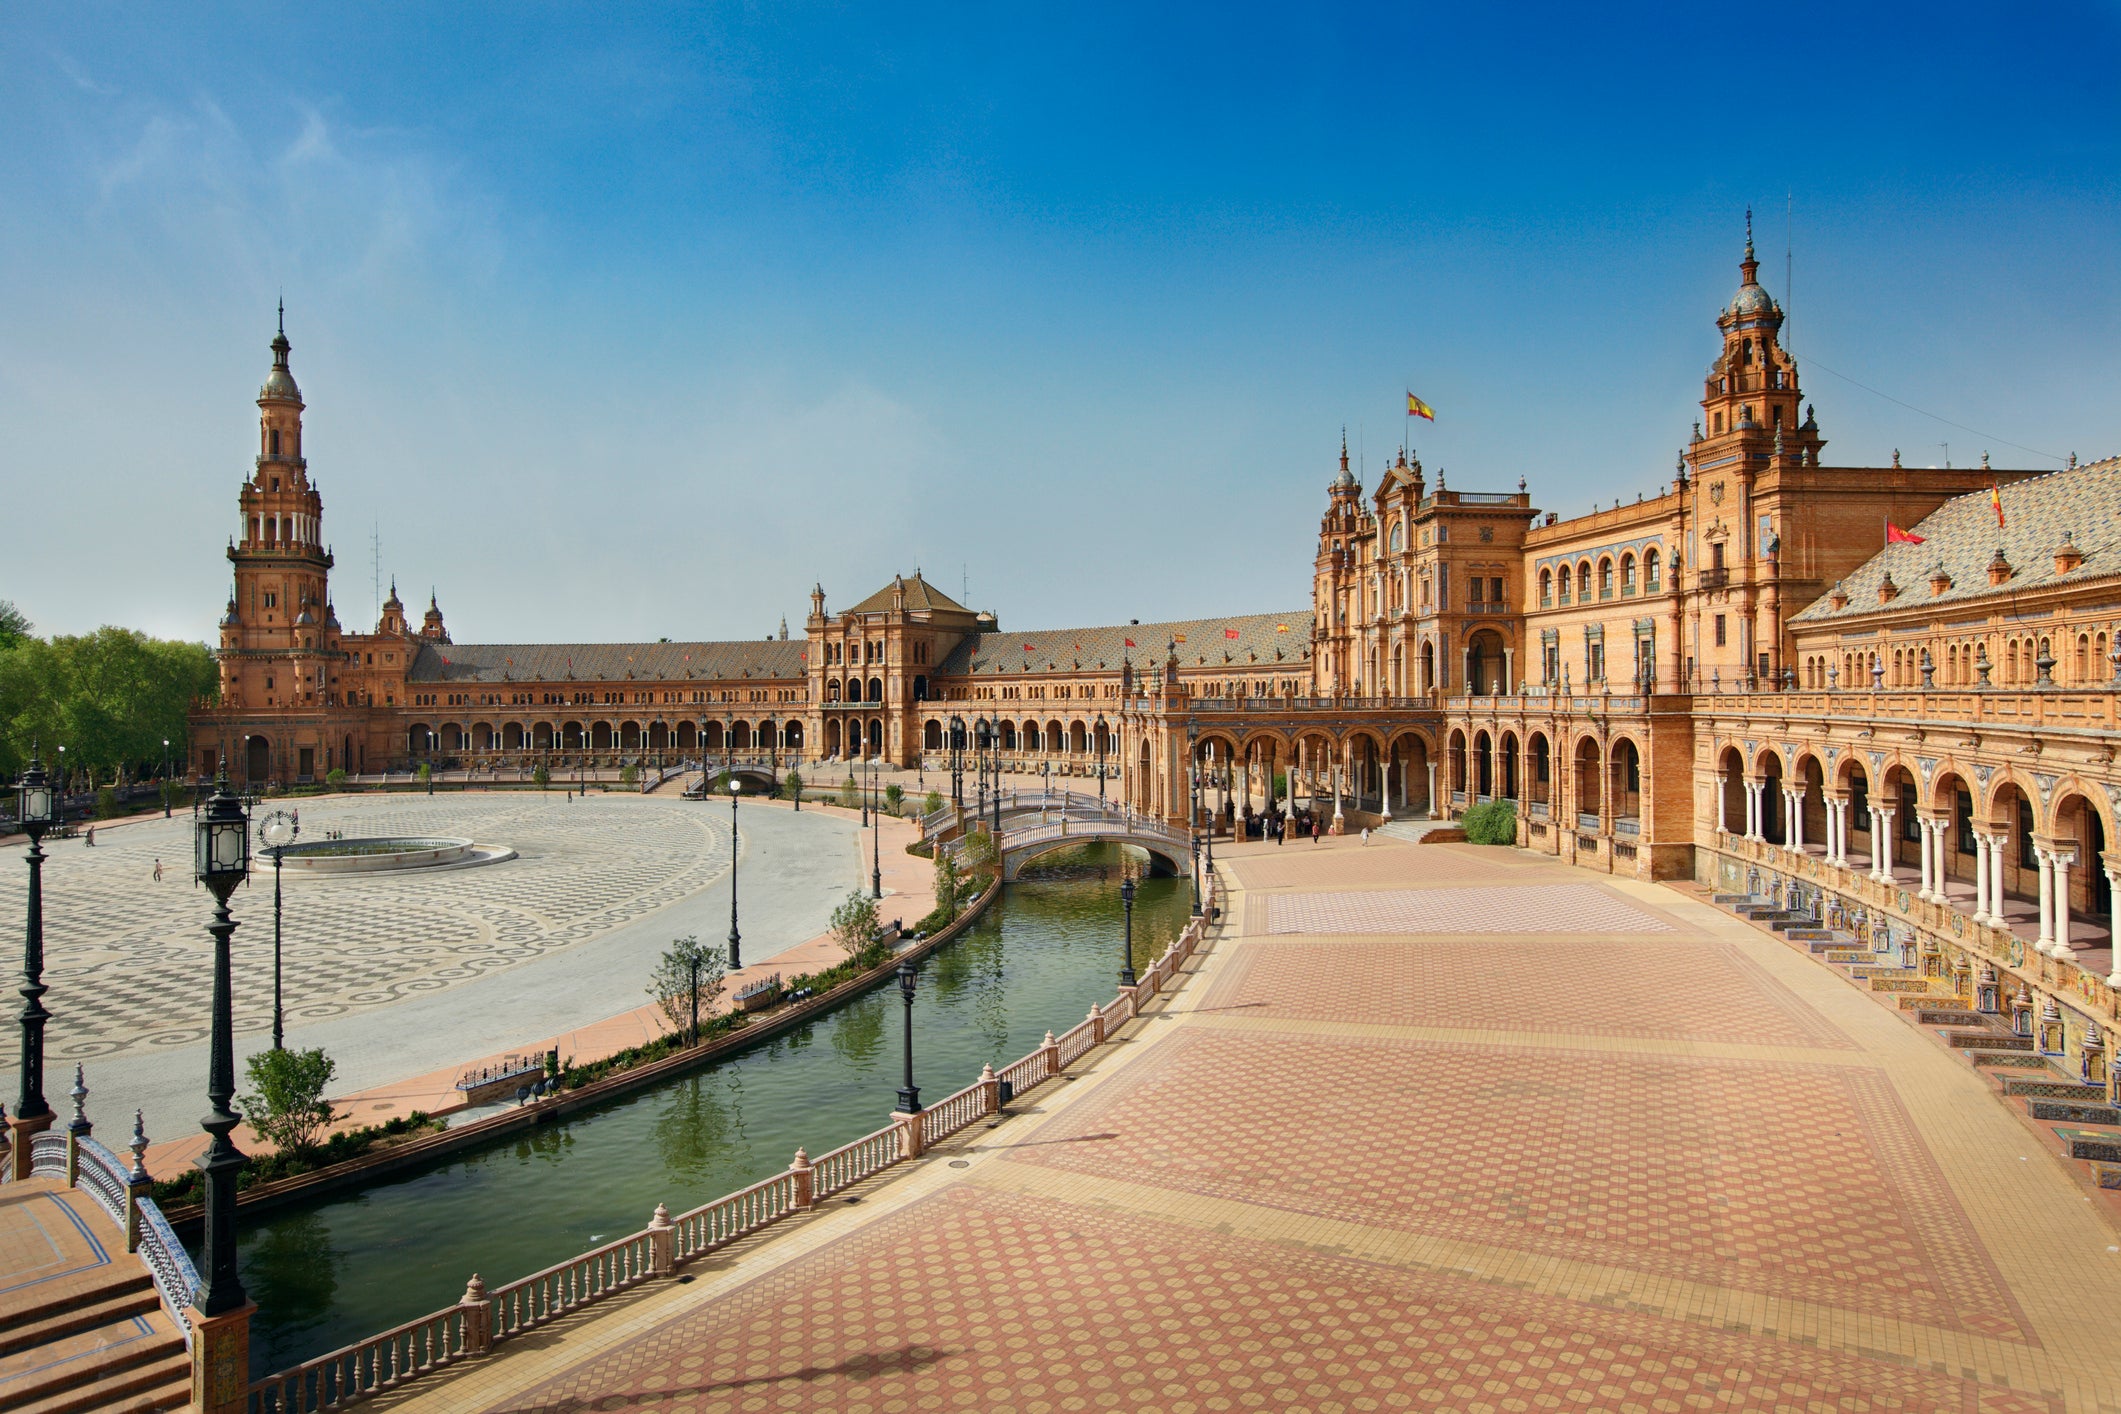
[2075, 787]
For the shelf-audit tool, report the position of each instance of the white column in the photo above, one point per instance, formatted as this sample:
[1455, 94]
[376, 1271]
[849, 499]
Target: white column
[1841, 833]
[1433, 815]
[1796, 832]
[1996, 845]
[2113, 890]
[1981, 878]
[1752, 810]
[1722, 789]
[1925, 838]
[2062, 860]
[1881, 844]
[2045, 942]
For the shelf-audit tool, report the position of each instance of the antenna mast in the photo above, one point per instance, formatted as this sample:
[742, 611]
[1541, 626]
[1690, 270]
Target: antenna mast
[375, 570]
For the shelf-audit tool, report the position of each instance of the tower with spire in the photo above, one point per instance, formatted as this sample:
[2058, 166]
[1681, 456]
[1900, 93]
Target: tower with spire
[278, 635]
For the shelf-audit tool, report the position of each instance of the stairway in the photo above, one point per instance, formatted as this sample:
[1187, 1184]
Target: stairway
[85, 1331]
[2083, 1120]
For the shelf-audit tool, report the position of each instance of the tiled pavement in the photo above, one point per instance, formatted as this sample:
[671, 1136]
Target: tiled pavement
[1688, 1169]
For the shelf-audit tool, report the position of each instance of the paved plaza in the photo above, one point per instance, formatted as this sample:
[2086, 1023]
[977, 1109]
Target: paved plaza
[1374, 1155]
[396, 974]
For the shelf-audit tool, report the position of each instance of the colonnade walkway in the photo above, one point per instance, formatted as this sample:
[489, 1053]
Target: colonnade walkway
[1429, 1126]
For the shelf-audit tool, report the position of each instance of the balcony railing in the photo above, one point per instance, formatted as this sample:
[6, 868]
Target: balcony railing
[1715, 577]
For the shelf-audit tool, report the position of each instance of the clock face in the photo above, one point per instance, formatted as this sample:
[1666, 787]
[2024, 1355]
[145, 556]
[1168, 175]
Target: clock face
[277, 830]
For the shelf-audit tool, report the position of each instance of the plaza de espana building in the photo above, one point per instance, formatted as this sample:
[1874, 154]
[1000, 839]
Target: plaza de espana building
[1738, 681]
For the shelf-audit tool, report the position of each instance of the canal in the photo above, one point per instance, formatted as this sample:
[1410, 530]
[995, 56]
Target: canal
[346, 1267]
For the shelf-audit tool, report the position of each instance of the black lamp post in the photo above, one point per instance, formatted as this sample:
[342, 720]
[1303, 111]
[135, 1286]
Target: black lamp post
[736, 939]
[957, 762]
[37, 804]
[1102, 729]
[876, 844]
[909, 1095]
[694, 959]
[278, 830]
[165, 778]
[1126, 899]
[863, 791]
[980, 732]
[222, 861]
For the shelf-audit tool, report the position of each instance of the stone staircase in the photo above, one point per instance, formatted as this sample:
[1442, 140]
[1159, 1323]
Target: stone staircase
[82, 1328]
[2084, 1120]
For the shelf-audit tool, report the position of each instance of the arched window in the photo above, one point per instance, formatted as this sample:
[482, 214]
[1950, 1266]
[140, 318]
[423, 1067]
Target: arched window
[1399, 536]
[1565, 578]
[1627, 574]
[1650, 580]
[276, 441]
[1546, 588]
[1605, 578]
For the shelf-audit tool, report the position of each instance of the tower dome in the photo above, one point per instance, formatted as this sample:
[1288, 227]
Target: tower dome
[280, 383]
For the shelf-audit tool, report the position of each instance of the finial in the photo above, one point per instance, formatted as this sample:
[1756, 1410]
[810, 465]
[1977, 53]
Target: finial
[283, 316]
[139, 1147]
[1749, 233]
[1344, 447]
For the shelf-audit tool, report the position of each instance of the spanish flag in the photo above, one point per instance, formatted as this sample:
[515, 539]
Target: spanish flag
[1894, 535]
[1229, 633]
[1417, 408]
[1995, 498]
[1281, 628]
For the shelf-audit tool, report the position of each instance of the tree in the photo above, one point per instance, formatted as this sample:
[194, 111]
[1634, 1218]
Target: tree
[287, 1107]
[1491, 822]
[854, 924]
[112, 696]
[894, 796]
[629, 774]
[850, 793]
[792, 786]
[14, 624]
[541, 776]
[949, 884]
[979, 849]
[674, 978]
[933, 803]
[335, 778]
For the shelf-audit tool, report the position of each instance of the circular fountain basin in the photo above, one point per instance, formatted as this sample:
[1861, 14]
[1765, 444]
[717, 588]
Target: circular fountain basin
[382, 853]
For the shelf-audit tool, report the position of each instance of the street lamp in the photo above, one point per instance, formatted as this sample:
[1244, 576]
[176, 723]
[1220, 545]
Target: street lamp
[736, 955]
[863, 793]
[1126, 899]
[278, 831]
[165, 778]
[37, 805]
[909, 1095]
[876, 869]
[1102, 729]
[980, 732]
[222, 861]
[957, 762]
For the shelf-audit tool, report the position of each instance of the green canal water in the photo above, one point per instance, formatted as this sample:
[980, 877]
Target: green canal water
[343, 1268]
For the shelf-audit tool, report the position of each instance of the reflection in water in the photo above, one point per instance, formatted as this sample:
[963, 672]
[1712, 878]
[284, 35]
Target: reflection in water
[344, 1268]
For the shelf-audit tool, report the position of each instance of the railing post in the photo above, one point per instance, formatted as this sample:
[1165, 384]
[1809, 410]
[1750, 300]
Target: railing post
[220, 1360]
[662, 1243]
[1050, 1049]
[1096, 1018]
[478, 1317]
[77, 1129]
[990, 1091]
[805, 1181]
[137, 1184]
[909, 1133]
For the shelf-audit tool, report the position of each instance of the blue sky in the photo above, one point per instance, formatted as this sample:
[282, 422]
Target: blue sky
[630, 325]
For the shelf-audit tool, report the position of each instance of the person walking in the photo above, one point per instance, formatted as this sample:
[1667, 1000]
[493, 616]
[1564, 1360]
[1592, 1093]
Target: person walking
[158, 871]
[1366, 837]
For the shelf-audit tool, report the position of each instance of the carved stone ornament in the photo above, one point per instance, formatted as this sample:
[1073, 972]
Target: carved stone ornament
[1715, 493]
[1928, 765]
[1877, 760]
[1982, 773]
[2046, 784]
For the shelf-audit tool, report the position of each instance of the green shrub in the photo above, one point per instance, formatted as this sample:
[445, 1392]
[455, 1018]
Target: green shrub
[335, 778]
[933, 803]
[792, 786]
[541, 776]
[850, 794]
[288, 1106]
[894, 796]
[979, 849]
[629, 774]
[188, 1186]
[854, 924]
[1493, 822]
[426, 771]
[106, 802]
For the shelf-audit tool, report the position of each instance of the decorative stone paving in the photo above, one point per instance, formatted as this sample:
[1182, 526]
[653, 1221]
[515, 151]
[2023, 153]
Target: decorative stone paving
[985, 1301]
[132, 959]
[1532, 909]
[1785, 1179]
[1608, 987]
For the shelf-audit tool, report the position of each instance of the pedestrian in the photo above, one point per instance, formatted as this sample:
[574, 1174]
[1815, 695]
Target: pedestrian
[91, 838]
[1318, 834]
[1366, 837]
[158, 871]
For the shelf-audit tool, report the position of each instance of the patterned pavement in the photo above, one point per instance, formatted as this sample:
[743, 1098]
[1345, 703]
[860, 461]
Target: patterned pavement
[129, 955]
[1532, 910]
[1675, 1168]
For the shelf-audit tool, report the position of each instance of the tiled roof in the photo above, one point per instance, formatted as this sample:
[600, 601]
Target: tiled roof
[1962, 535]
[759, 659]
[921, 597]
[1206, 644]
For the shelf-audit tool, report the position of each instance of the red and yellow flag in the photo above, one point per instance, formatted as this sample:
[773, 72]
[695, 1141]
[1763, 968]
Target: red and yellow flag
[1229, 633]
[1894, 535]
[1417, 408]
[1995, 499]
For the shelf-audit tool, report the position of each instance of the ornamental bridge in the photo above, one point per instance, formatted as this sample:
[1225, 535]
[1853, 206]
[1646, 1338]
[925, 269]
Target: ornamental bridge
[1035, 823]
